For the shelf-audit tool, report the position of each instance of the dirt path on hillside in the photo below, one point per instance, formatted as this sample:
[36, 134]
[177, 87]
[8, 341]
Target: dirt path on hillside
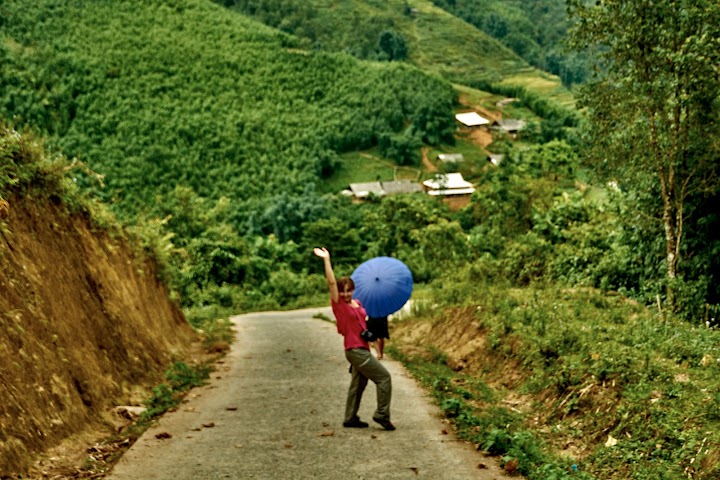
[274, 411]
[481, 136]
[429, 166]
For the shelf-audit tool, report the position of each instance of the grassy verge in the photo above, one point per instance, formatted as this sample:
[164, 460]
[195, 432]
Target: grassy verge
[216, 330]
[179, 379]
[477, 413]
[213, 322]
[550, 378]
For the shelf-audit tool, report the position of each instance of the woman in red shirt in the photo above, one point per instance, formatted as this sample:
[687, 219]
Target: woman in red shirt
[350, 317]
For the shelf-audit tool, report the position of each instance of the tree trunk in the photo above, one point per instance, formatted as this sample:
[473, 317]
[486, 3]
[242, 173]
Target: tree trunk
[672, 243]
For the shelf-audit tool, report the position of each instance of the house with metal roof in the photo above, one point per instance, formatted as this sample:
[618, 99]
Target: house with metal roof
[401, 186]
[510, 126]
[362, 190]
[471, 119]
[448, 184]
[380, 189]
[451, 157]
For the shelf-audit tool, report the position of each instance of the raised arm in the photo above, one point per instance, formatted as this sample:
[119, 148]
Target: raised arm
[329, 275]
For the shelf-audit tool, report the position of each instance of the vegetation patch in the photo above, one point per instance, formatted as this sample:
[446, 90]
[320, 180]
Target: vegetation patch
[102, 456]
[179, 379]
[556, 378]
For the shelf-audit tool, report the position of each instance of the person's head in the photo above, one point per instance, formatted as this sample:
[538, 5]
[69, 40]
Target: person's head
[346, 287]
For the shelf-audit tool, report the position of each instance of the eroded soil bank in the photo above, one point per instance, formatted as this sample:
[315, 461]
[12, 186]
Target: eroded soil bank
[84, 326]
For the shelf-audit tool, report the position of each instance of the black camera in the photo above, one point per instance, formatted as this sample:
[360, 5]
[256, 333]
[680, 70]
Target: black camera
[367, 335]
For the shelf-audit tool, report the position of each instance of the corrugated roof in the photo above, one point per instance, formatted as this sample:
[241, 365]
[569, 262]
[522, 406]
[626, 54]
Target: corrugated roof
[447, 181]
[361, 190]
[471, 119]
[453, 191]
[401, 186]
[451, 157]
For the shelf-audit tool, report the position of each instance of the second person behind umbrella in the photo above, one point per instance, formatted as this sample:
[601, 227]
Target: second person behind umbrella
[378, 326]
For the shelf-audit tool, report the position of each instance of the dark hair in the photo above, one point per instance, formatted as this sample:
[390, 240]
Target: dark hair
[345, 282]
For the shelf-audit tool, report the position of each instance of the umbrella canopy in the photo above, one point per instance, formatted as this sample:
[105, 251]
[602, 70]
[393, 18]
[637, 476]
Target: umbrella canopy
[383, 285]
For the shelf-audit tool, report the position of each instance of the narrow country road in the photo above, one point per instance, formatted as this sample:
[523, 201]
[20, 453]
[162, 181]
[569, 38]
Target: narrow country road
[274, 408]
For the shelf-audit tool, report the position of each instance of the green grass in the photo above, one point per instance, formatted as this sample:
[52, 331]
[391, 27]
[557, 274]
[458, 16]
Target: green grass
[591, 367]
[436, 38]
[470, 150]
[543, 83]
[366, 166]
[213, 321]
[473, 97]
[474, 159]
[479, 416]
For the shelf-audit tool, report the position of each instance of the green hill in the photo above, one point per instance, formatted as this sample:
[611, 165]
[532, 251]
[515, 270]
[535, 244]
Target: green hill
[186, 93]
[435, 40]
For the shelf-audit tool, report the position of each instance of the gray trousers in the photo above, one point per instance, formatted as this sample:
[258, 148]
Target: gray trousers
[364, 367]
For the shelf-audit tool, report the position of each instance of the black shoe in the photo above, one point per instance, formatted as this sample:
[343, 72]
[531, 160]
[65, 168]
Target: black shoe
[386, 424]
[355, 423]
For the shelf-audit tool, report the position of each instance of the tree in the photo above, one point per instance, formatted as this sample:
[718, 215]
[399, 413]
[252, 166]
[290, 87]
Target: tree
[393, 45]
[654, 104]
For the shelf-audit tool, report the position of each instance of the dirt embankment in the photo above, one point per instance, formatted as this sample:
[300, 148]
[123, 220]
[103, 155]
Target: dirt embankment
[457, 333]
[82, 326]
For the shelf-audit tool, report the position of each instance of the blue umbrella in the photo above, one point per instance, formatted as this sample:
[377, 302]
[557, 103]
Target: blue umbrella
[383, 285]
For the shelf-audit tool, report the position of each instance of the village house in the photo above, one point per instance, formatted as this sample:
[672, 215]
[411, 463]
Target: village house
[448, 184]
[454, 190]
[451, 157]
[471, 119]
[509, 126]
[362, 190]
[380, 189]
[401, 186]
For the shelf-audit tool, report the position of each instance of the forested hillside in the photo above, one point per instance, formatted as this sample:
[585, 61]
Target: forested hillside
[536, 31]
[425, 35]
[212, 130]
[187, 94]
[192, 113]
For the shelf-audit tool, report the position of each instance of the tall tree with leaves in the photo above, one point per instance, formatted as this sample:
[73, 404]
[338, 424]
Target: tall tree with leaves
[654, 104]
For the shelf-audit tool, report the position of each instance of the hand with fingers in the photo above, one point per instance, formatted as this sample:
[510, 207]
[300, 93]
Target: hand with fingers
[321, 252]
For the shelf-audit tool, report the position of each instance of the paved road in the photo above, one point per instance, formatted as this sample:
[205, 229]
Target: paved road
[274, 411]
